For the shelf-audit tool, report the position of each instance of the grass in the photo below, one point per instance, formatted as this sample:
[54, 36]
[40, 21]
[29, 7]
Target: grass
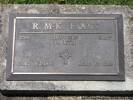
[87, 2]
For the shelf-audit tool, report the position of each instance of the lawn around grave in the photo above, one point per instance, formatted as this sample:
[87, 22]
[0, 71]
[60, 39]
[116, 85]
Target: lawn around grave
[87, 2]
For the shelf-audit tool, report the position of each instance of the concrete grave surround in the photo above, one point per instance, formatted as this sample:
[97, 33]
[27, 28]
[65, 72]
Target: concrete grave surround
[126, 85]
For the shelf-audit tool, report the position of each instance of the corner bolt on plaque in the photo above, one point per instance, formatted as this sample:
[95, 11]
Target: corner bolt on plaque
[65, 47]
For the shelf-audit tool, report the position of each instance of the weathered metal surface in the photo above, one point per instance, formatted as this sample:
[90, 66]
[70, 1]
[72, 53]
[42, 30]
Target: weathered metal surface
[65, 47]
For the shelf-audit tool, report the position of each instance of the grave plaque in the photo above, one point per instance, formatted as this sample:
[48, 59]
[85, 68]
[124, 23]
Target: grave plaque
[65, 47]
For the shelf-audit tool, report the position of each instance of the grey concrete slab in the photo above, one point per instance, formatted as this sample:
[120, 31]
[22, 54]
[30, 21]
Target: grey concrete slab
[126, 85]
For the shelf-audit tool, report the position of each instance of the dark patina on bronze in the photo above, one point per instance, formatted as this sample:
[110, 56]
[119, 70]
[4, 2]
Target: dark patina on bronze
[65, 47]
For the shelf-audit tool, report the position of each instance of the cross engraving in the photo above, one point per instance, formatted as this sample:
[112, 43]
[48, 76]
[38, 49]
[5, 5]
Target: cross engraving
[65, 55]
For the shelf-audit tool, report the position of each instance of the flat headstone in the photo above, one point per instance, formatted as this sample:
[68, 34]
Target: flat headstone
[69, 49]
[65, 47]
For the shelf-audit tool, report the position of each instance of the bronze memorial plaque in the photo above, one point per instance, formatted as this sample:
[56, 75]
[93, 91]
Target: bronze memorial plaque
[65, 47]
